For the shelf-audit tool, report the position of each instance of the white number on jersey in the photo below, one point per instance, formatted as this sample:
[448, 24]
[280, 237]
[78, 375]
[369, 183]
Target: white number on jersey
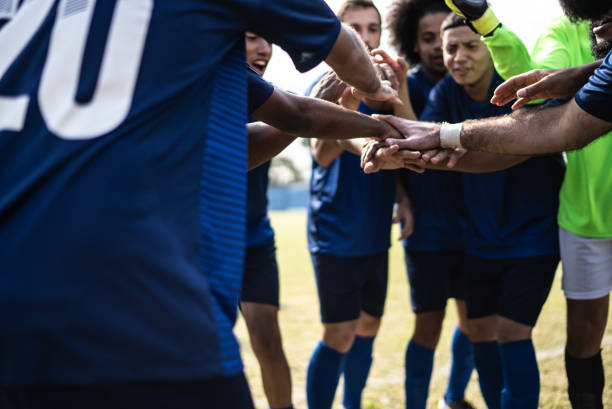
[8, 8]
[114, 91]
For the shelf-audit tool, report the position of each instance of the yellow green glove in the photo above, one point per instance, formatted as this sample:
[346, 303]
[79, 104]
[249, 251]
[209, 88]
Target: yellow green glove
[477, 12]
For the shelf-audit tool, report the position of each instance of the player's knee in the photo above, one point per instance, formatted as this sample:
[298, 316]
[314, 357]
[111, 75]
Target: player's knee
[265, 338]
[368, 325]
[511, 331]
[340, 336]
[482, 330]
[427, 329]
[583, 336]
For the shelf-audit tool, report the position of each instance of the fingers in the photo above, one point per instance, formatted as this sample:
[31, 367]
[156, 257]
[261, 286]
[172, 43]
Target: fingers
[455, 156]
[407, 228]
[389, 94]
[441, 156]
[521, 102]
[414, 168]
[507, 91]
[384, 56]
[390, 76]
[428, 154]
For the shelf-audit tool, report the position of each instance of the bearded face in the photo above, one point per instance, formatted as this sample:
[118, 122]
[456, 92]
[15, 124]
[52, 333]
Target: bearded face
[586, 9]
[601, 36]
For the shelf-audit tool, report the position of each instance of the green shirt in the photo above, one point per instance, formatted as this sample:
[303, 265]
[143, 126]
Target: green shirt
[585, 205]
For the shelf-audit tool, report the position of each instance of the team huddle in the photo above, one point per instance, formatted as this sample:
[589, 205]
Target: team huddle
[133, 233]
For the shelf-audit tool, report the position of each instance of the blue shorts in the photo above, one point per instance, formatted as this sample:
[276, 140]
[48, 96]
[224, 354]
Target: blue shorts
[218, 393]
[260, 280]
[434, 276]
[349, 285]
[512, 288]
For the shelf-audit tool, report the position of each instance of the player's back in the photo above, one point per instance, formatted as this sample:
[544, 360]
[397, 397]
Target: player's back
[113, 119]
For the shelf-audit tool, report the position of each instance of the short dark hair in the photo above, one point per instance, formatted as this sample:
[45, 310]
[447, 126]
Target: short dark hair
[403, 23]
[586, 9]
[353, 4]
[452, 21]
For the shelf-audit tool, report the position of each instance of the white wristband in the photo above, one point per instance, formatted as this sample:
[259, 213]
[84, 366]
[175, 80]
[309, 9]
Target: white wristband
[450, 135]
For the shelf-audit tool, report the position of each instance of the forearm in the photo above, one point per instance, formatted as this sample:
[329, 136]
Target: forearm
[330, 121]
[325, 151]
[314, 118]
[481, 162]
[351, 62]
[534, 131]
[509, 54]
[265, 142]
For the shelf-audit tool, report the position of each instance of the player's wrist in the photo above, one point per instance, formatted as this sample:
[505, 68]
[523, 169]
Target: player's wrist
[450, 135]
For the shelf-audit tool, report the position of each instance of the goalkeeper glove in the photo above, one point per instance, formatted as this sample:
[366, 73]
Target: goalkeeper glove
[477, 13]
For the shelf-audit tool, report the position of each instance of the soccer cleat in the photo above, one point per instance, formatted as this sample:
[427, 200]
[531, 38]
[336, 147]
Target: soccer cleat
[458, 404]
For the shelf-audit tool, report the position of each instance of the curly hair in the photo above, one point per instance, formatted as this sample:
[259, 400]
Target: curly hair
[586, 9]
[403, 23]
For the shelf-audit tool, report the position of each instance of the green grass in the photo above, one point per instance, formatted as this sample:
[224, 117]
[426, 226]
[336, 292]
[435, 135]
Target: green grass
[301, 329]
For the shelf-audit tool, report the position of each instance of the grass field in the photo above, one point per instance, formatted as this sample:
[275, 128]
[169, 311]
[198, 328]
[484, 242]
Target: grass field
[299, 320]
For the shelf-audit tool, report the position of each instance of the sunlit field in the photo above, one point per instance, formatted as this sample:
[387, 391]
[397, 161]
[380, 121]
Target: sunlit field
[299, 319]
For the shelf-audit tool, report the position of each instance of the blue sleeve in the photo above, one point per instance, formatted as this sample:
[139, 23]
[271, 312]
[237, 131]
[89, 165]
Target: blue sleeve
[436, 108]
[305, 29]
[596, 96]
[259, 90]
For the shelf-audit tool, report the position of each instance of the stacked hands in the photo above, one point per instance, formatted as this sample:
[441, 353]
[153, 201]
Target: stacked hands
[414, 144]
[394, 149]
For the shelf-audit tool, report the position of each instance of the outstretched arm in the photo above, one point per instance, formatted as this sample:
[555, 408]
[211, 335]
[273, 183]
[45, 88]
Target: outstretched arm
[265, 142]
[314, 118]
[526, 132]
[545, 84]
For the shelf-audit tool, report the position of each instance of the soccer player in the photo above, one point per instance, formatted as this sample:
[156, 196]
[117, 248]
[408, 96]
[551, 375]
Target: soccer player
[259, 300]
[435, 251]
[510, 236]
[349, 222]
[585, 230]
[122, 193]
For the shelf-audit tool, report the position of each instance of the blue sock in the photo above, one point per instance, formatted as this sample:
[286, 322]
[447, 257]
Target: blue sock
[356, 369]
[488, 363]
[521, 375]
[322, 376]
[462, 366]
[419, 364]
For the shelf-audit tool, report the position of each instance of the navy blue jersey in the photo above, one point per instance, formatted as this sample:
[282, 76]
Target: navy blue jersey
[123, 182]
[259, 230]
[349, 213]
[596, 96]
[436, 194]
[259, 90]
[419, 87]
[510, 213]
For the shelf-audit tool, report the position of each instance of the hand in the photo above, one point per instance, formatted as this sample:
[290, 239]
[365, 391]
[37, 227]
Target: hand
[400, 66]
[329, 88]
[376, 155]
[537, 84]
[385, 93]
[404, 215]
[437, 156]
[386, 73]
[477, 12]
[419, 135]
